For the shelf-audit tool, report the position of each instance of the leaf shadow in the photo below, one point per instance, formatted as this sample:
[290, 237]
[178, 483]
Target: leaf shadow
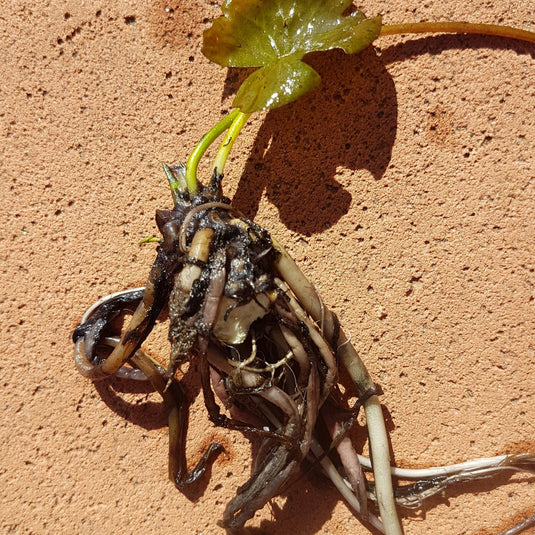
[349, 121]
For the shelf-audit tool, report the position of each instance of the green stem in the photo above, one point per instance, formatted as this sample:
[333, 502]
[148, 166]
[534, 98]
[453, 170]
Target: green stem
[458, 27]
[176, 178]
[202, 146]
[235, 128]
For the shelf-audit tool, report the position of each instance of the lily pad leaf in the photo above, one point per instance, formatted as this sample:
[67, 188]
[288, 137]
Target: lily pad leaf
[276, 84]
[262, 33]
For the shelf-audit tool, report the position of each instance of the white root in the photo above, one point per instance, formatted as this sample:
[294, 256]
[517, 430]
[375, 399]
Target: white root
[381, 465]
[309, 299]
[431, 481]
[499, 462]
[343, 487]
[106, 299]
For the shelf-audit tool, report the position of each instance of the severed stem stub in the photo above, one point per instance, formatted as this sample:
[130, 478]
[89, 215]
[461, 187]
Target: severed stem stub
[268, 352]
[268, 361]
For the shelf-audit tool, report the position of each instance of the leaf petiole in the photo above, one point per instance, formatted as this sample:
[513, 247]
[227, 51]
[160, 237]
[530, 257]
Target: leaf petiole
[202, 146]
[176, 177]
[226, 146]
[150, 239]
[459, 28]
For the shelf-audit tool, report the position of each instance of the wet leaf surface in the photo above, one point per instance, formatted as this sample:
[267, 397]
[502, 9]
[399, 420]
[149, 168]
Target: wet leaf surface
[275, 35]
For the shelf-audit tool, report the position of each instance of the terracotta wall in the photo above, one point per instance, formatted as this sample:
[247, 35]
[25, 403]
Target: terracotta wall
[404, 186]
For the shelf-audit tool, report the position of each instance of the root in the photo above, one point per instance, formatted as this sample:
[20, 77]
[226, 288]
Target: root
[269, 349]
[309, 299]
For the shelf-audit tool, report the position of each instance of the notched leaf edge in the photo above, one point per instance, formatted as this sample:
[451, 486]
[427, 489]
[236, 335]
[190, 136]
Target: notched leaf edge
[275, 35]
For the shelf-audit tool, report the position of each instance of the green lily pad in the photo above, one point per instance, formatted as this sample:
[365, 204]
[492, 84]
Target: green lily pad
[275, 35]
[276, 84]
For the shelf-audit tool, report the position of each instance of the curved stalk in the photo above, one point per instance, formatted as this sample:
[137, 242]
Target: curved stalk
[381, 465]
[202, 146]
[457, 27]
[235, 128]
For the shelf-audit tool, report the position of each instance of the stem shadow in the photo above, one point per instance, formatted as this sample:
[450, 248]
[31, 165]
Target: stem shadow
[141, 411]
[435, 44]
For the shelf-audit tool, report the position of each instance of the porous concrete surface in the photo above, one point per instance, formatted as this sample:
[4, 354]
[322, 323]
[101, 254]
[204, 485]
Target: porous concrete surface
[404, 186]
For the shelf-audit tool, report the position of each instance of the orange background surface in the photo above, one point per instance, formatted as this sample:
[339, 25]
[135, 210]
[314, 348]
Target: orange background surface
[404, 186]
